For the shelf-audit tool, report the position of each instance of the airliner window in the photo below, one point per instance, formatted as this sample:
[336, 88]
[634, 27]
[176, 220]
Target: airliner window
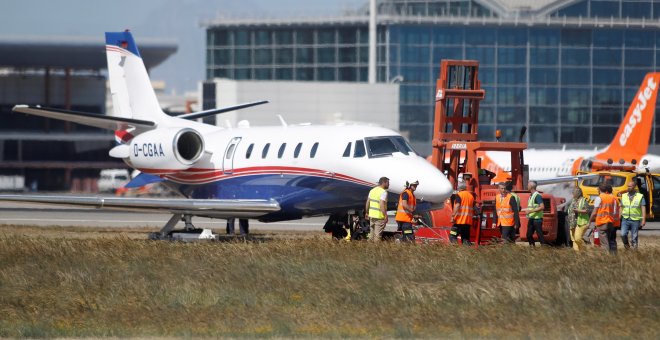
[230, 151]
[360, 151]
[347, 151]
[281, 152]
[296, 152]
[248, 153]
[265, 151]
[312, 152]
[381, 146]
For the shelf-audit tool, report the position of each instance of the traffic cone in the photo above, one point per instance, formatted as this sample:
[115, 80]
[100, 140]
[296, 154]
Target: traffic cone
[596, 238]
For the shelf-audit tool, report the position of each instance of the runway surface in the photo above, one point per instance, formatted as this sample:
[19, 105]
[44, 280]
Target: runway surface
[50, 215]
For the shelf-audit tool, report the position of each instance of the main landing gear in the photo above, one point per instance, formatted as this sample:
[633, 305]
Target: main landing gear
[348, 226]
[189, 232]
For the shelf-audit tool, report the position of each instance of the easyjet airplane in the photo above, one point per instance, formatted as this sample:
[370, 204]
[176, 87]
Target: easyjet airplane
[268, 173]
[629, 146]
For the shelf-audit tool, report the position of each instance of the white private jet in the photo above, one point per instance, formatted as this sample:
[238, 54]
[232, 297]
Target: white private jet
[267, 173]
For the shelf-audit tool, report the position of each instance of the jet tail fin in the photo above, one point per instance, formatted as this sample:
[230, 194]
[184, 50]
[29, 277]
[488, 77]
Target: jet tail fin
[130, 86]
[632, 139]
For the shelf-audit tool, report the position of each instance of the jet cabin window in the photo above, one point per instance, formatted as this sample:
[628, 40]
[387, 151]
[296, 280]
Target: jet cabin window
[248, 153]
[347, 151]
[265, 151]
[312, 152]
[387, 145]
[280, 153]
[296, 152]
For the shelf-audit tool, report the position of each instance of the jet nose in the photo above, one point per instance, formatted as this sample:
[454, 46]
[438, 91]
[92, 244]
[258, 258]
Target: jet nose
[433, 187]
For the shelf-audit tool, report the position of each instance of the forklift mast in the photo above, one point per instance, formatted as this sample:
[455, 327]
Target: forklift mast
[455, 133]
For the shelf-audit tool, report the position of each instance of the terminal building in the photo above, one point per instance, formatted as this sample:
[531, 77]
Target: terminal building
[567, 69]
[60, 72]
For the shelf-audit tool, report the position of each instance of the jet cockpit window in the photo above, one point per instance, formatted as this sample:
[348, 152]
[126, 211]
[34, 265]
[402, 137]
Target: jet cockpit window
[387, 145]
[347, 151]
[360, 151]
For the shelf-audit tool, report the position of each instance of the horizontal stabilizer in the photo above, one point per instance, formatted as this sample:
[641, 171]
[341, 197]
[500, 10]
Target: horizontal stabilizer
[91, 119]
[217, 208]
[212, 112]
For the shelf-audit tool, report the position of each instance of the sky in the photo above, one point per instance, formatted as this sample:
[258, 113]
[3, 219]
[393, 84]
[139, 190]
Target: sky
[176, 20]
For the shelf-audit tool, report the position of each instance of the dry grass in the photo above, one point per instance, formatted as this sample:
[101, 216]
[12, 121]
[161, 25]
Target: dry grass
[115, 285]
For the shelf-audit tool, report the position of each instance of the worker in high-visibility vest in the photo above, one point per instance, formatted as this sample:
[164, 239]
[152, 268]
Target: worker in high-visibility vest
[605, 208]
[405, 210]
[461, 217]
[507, 208]
[578, 218]
[376, 209]
[633, 214]
[534, 212]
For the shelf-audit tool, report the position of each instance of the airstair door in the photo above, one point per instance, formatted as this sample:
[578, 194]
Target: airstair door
[228, 159]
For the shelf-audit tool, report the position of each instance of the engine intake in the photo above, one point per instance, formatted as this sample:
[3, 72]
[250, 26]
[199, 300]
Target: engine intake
[166, 149]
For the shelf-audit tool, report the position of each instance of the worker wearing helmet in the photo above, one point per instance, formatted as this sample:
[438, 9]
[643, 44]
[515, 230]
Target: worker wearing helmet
[461, 216]
[508, 219]
[605, 208]
[405, 210]
[376, 209]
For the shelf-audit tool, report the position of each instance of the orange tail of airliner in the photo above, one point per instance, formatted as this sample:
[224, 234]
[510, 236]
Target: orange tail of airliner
[632, 139]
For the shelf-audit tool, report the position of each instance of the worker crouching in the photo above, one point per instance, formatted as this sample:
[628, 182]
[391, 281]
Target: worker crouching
[405, 210]
[461, 216]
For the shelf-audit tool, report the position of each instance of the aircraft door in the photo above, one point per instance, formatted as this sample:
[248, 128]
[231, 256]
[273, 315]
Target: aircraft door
[228, 159]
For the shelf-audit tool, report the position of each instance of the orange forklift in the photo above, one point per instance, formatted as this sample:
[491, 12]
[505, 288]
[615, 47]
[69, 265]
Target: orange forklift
[456, 150]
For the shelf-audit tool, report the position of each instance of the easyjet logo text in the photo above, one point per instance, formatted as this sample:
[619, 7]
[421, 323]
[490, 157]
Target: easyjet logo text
[642, 99]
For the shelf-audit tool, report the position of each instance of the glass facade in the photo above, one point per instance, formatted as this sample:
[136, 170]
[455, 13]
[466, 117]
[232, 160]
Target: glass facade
[569, 83]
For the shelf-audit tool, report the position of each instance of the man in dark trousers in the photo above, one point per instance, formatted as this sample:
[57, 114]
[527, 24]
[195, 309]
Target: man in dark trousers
[534, 212]
[243, 225]
[462, 215]
[507, 208]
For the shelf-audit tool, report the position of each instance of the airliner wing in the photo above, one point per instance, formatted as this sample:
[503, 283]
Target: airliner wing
[563, 179]
[217, 208]
[91, 119]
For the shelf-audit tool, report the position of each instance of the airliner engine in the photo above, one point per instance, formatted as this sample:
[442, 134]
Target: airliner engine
[166, 149]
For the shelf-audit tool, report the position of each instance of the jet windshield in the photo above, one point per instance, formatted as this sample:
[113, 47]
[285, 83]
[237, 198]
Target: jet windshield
[387, 145]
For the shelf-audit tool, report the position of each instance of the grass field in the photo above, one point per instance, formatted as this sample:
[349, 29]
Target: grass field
[76, 282]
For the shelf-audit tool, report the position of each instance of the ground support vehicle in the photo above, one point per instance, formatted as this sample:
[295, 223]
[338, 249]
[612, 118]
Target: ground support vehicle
[648, 184]
[456, 150]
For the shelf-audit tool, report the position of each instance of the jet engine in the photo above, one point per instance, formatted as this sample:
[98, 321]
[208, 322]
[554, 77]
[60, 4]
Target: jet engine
[166, 149]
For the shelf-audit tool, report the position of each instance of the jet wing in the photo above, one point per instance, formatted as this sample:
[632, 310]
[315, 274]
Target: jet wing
[91, 119]
[216, 208]
[563, 179]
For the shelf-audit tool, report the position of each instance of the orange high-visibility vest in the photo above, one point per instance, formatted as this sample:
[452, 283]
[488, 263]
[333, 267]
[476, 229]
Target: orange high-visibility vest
[466, 209]
[504, 211]
[605, 212]
[402, 215]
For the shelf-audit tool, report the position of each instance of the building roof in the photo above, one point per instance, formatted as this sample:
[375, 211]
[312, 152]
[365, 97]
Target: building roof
[73, 51]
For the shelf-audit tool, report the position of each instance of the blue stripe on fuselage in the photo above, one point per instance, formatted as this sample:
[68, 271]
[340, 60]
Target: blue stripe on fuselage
[298, 195]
